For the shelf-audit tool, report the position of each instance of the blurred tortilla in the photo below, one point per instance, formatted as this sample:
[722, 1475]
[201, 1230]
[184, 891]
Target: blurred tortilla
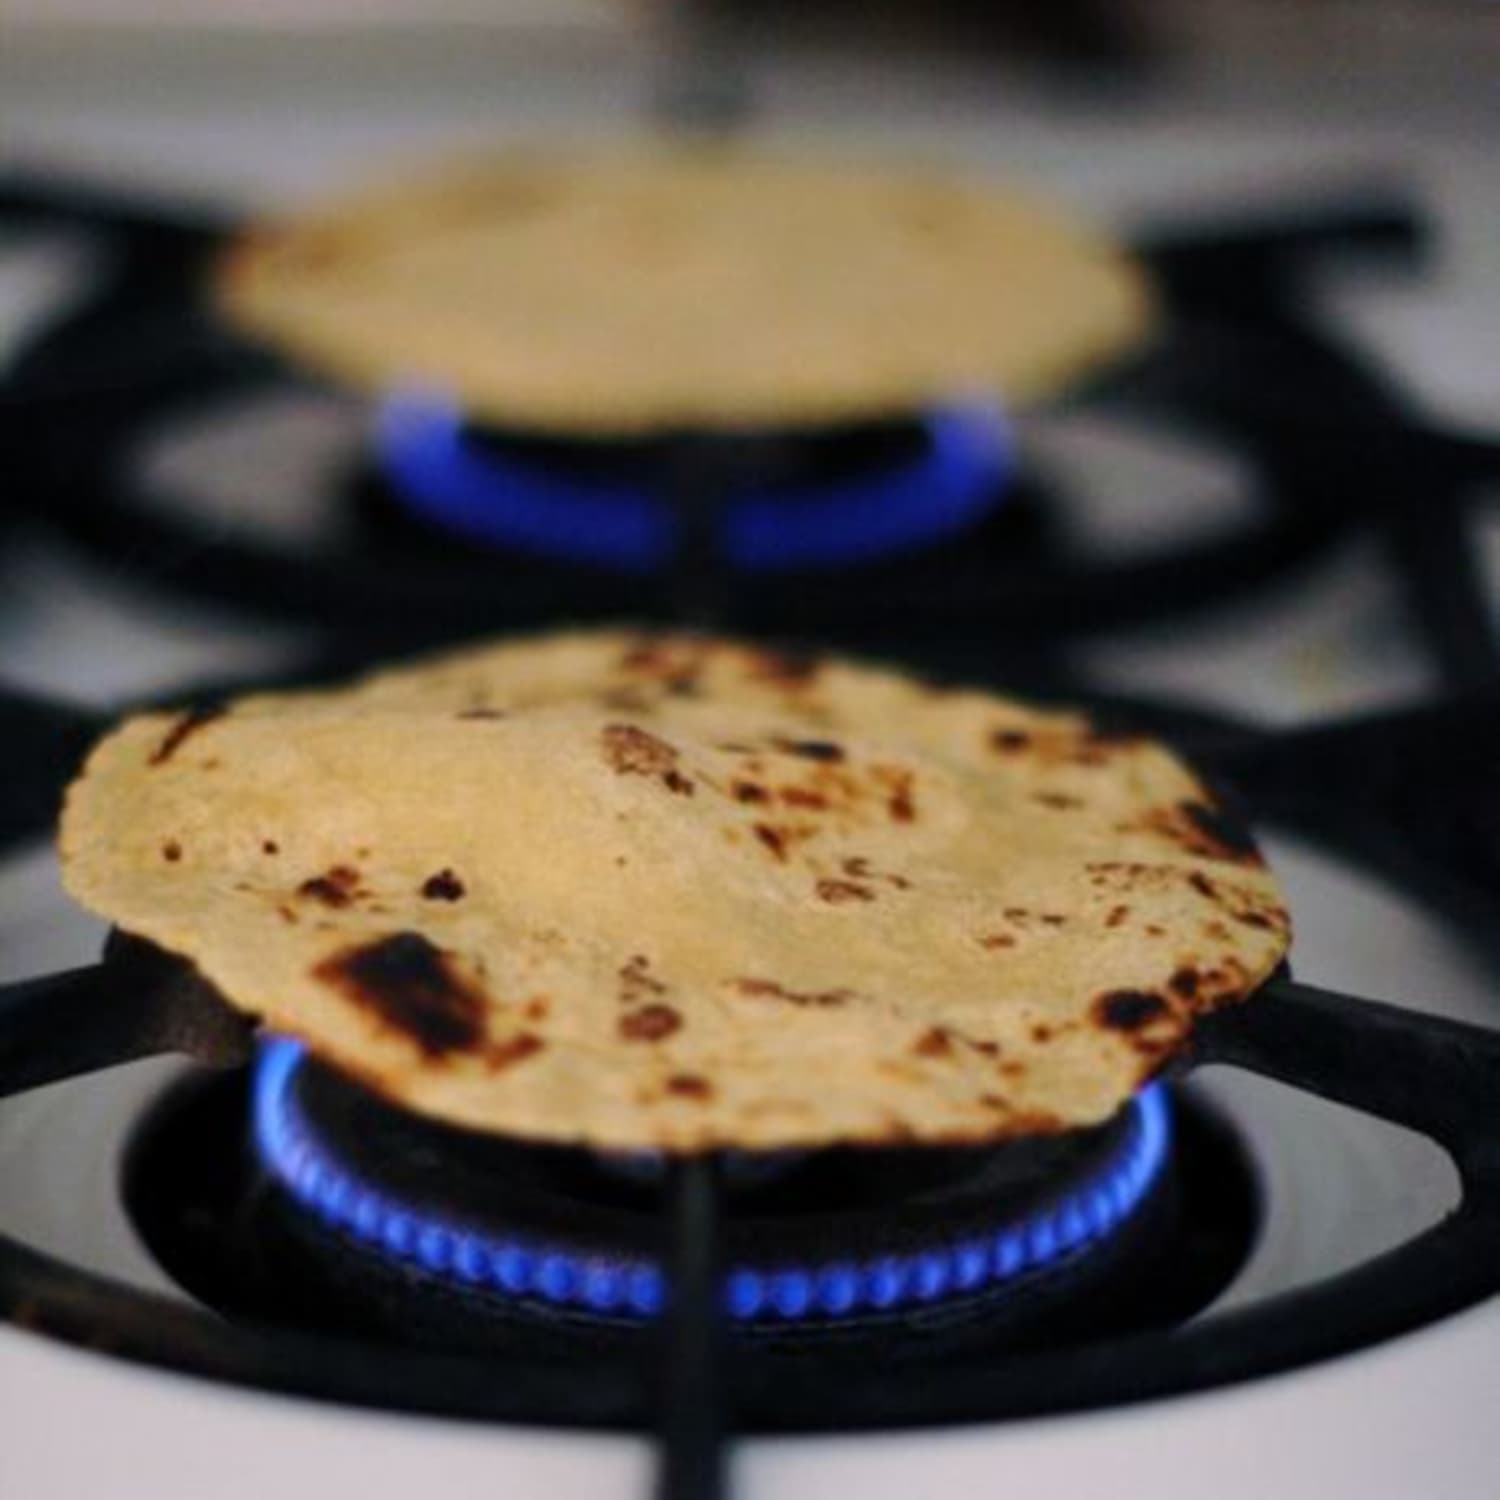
[667, 289]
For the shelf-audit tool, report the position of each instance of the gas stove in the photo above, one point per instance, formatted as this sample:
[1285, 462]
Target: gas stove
[236, 1270]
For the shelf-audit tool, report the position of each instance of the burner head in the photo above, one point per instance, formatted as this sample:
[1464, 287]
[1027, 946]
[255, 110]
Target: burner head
[843, 497]
[816, 1238]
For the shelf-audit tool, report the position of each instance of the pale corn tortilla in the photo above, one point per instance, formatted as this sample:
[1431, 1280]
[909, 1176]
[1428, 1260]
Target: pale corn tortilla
[670, 891]
[599, 293]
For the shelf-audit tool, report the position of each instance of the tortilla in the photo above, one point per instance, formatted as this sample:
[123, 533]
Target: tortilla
[679, 289]
[642, 890]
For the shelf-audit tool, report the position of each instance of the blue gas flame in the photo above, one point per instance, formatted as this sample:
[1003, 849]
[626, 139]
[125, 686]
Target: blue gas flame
[1083, 1215]
[436, 469]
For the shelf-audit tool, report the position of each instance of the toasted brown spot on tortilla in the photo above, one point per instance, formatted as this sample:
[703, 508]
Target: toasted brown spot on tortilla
[1128, 1010]
[801, 796]
[769, 989]
[270, 846]
[636, 979]
[631, 751]
[171, 851]
[650, 1023]
[689, 1086]
[336, 887]
[1010, 741]
[411, 986]
[443, 886]
[1206, 831]
[749, 791]
[481, 713]
[837, 892]
[1117, 915]
[861, 868]
[1058, 801]
[934, 1042]
[512, 1050]
[996, 940]
[189, 724]
[772, 837]
[901, 804]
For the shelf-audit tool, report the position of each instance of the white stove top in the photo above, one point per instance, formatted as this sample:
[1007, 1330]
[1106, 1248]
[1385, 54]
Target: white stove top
[1411, 1417]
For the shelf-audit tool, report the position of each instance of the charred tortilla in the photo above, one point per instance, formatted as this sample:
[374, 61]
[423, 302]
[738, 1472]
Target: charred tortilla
[671, 288]
[672, 891]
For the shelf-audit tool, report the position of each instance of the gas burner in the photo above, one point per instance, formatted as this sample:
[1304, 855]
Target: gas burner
[1132, 1316]
[822, 1240]
[611, 505]
[753, 533]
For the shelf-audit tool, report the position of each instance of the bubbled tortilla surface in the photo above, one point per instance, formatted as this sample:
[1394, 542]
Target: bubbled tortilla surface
[641, 890]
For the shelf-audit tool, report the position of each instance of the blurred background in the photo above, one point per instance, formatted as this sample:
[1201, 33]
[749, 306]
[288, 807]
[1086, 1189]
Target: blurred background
[1144, 113]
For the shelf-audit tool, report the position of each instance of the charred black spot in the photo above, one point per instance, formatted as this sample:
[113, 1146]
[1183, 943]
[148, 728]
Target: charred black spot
[1128, 1010]
[1184, 982]
[411, 986]
[822, 750]
[1221, 829]
[675, 781]
[443, 886]
[189, 724]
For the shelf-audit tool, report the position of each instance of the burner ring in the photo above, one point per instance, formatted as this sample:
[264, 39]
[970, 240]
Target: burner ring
[438, 472]
[1094, 1196]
